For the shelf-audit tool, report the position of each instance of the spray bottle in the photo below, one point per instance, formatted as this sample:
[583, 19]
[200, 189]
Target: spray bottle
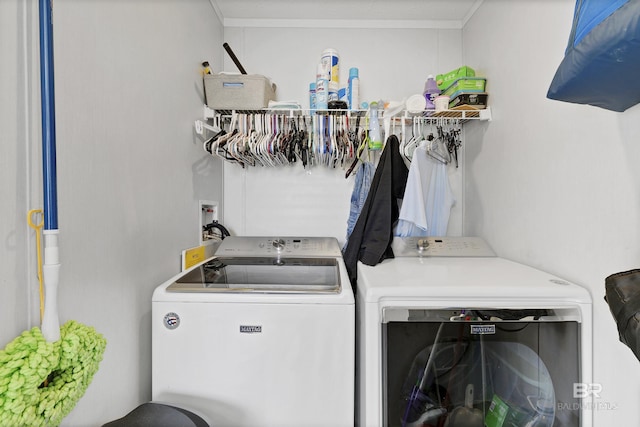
[312, 96]
[375, 139]
[322, 87]
[353, 89]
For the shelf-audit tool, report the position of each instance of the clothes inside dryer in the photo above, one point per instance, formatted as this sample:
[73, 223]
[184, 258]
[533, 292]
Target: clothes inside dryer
[469, 371]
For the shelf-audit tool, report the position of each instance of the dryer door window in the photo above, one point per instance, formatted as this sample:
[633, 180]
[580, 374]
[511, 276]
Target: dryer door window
[479, 370]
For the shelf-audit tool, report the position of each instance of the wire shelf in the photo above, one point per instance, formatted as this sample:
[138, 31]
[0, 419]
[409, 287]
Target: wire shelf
[454, 114]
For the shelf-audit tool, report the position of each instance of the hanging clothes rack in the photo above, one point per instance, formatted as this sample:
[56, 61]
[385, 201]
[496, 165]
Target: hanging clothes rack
[330, 138]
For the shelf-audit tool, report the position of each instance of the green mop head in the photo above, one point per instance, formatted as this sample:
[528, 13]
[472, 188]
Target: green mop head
[41, 382]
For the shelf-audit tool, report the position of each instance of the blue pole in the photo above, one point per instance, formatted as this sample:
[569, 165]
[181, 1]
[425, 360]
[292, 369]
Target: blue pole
[48, 117]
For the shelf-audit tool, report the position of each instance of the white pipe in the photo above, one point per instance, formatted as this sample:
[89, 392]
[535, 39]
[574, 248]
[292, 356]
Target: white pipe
[51, 274]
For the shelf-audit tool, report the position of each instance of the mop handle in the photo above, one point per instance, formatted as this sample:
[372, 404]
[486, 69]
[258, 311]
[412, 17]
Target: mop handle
[49, 175]
[51, 266]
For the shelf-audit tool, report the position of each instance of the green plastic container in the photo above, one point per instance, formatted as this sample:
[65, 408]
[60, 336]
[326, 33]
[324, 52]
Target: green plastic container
[501, 414]
[444, 80]
[467, 84]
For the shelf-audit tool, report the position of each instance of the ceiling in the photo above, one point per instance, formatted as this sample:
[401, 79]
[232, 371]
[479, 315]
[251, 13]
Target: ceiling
[338, 13]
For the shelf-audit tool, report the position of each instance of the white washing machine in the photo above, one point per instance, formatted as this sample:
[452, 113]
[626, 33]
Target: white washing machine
[262, 334]
[447, 327]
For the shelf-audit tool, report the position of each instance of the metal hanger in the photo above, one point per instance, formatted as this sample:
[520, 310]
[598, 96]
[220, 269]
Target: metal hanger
[437, 148]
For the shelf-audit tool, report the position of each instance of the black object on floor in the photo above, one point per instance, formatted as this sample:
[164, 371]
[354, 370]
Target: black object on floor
[158, 415]
[623, 296]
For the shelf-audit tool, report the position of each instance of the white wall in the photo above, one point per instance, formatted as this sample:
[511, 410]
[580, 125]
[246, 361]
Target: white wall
[19, 120]
[551, 184]
[393, 65]
[130, 171]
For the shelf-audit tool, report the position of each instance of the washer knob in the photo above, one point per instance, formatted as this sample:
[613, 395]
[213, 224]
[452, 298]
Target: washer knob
[278, 244]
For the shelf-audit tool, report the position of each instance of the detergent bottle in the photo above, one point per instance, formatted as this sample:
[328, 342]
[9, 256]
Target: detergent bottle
[431, 90]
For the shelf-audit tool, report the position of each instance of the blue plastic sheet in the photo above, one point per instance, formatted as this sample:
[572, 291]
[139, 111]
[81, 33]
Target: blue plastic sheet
[589, 14]
[602, 59]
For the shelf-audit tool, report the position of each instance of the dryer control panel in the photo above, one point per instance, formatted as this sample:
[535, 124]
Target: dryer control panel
[441, 247]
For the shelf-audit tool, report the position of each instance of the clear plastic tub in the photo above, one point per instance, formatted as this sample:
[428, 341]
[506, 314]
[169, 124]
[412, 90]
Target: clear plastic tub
[511, 385]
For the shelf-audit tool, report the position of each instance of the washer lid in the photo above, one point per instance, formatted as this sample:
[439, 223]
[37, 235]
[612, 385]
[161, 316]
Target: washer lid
[262, 275]
[477, 281]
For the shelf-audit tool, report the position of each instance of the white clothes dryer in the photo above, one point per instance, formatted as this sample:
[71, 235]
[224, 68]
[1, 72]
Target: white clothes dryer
[447, 326]
[261, 334]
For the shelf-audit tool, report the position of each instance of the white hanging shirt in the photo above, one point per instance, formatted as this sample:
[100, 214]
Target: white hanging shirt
[428, 198]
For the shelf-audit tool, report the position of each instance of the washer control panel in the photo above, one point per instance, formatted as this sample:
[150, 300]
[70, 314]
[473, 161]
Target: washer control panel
[248, 246]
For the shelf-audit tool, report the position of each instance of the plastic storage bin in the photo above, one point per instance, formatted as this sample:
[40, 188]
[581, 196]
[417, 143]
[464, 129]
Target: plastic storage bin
[476, 100]
[445, 80]
[468, 84]
[238, 91]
